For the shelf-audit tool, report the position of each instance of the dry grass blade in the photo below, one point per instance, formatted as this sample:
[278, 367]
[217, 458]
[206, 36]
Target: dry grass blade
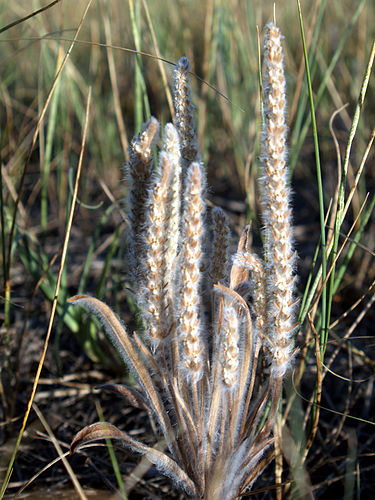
[116, 95]
[39, 473]
[62, 455]
[159, 59]
[35, 13]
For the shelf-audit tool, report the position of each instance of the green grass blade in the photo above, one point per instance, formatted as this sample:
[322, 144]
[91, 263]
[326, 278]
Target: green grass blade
[142, 108]
[353, 246]
[320, 187]
[107, 262]
[90, 253]
[341, 198]
[51, 132]
[327, 74]
[112, 455]
[6, 288]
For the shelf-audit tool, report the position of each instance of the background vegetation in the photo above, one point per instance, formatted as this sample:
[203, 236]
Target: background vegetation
[41, 143]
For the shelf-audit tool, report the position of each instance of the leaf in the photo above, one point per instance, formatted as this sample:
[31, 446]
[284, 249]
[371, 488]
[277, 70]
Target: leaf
[132, 396]
[124, 345]
[165, 464]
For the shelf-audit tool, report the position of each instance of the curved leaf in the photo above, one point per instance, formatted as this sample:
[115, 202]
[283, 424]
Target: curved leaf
[165, 464]
[123, 343]
[132, 396]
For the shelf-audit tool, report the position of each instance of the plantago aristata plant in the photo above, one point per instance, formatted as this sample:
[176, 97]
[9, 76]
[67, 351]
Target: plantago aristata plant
[210, 366]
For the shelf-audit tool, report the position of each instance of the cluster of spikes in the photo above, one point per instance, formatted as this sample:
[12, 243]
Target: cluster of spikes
[218, 328]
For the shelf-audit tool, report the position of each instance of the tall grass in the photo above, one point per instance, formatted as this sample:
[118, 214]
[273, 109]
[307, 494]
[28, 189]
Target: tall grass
[220, 40]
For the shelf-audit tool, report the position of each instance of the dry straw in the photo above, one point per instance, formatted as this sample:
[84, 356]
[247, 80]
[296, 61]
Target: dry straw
[210, 367]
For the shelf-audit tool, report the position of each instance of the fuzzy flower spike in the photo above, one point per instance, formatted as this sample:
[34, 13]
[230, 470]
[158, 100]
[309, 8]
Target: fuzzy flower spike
[279, 255]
